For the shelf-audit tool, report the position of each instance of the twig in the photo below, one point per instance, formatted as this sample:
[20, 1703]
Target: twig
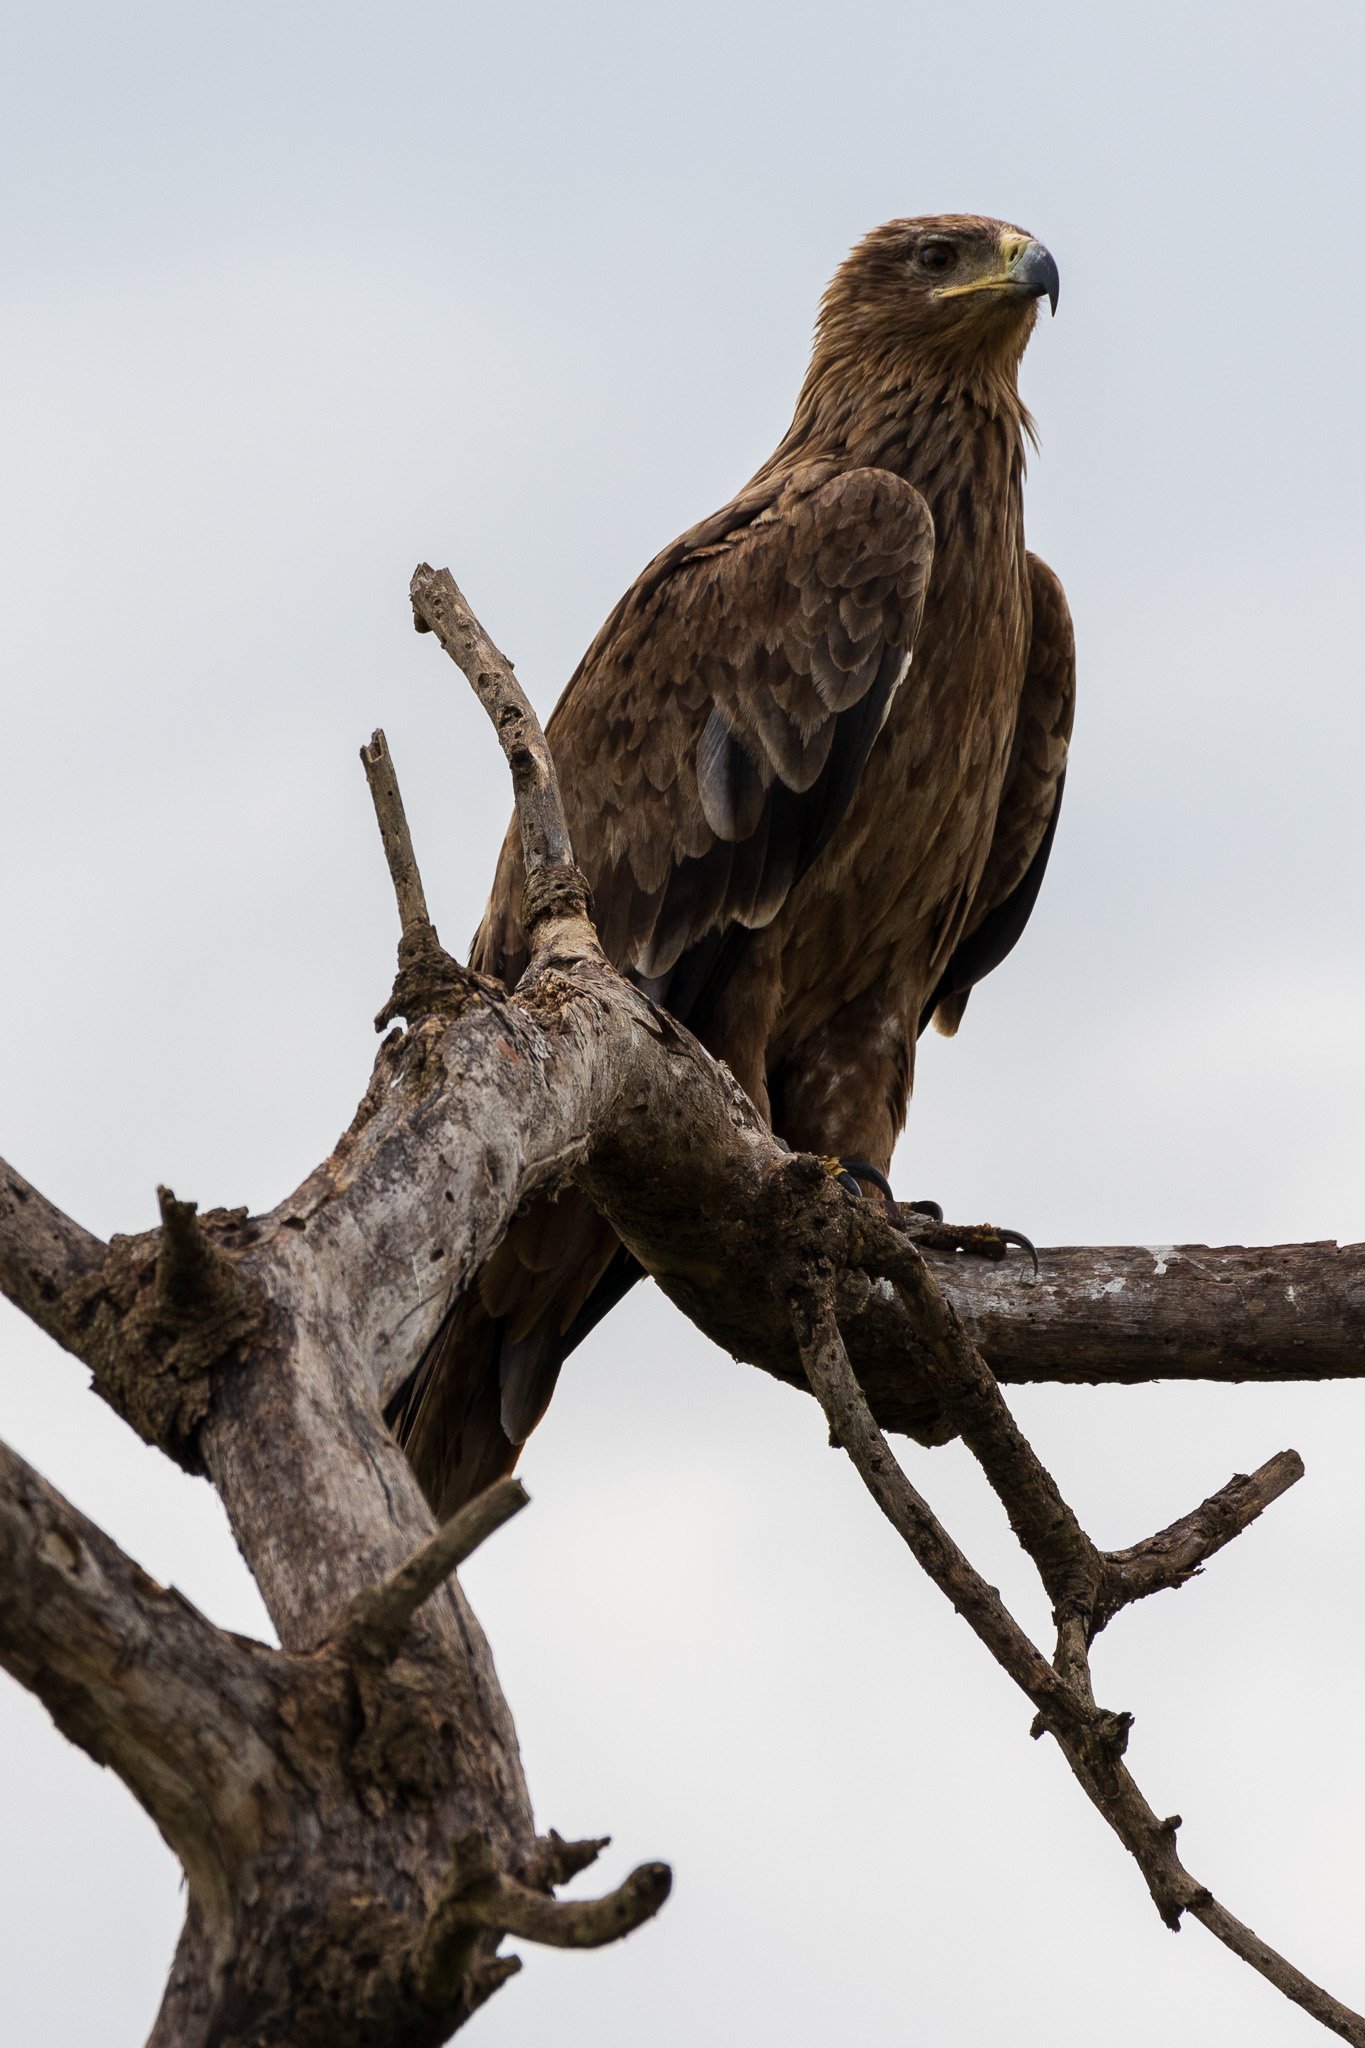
[854, 1430]
[1328, 2011]
[1176, 1553]
[375, 1625]
[558, 1860]
[1087, 1586]
[1092, 1740]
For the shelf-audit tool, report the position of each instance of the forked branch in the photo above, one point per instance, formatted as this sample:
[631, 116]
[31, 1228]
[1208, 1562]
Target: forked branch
[1092, 1739]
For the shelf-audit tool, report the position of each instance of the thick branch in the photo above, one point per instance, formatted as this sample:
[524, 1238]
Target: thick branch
[134, 1675]
[43, 1254]
[1125, 1314]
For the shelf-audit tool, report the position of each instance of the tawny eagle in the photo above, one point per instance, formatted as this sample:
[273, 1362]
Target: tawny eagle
[812, 766]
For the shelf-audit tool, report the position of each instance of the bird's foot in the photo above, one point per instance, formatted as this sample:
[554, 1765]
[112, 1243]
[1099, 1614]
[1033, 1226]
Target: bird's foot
[975, 1240]
[924, 1220]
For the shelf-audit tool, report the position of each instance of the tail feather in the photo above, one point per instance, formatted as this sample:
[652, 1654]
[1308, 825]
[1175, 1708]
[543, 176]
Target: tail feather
[448, 1417]
[488, 1375]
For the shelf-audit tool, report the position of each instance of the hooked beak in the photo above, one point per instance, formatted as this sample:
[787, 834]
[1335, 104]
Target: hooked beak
[1035, 274]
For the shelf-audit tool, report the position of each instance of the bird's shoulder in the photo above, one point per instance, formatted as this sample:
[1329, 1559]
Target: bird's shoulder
[817, 552]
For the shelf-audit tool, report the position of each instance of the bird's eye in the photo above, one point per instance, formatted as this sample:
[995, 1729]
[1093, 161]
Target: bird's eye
[937, 256]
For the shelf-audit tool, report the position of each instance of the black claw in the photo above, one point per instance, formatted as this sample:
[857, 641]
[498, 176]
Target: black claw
[857, 1170]
[1025, 1244]
[933, 1210]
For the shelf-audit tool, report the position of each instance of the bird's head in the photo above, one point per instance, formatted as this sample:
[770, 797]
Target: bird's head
[951, 288]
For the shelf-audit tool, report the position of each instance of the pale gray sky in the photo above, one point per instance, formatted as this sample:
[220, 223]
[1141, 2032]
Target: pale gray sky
[295, 295]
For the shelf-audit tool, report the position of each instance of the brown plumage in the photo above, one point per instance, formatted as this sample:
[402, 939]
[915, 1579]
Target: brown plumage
[812, 765]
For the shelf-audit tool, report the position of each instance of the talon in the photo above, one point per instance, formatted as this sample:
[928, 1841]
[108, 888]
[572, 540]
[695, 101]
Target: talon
[1024, 1244]
[852, 1172]
[933, 1210]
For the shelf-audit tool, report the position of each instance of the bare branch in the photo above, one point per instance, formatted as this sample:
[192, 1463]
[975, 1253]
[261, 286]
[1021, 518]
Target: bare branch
[853, 1429]
[1328, 2011]
[1129, 1314]
[1068, 1562]
[42, 1254]
[574, 1923]
[133, 1674]
[393, 830]
[429, 982]
[1176, 1553]
[376, 1624]
[477, 1894]
[439, 607]
[322, 1308]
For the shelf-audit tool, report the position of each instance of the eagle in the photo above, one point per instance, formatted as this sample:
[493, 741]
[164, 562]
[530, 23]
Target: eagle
[812, 766]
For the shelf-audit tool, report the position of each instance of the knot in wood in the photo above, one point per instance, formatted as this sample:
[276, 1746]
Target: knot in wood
[164, 1312]
[555, 891]
[429, 982]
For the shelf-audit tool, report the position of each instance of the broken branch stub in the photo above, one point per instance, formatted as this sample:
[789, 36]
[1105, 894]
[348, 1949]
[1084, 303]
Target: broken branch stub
[429, 982]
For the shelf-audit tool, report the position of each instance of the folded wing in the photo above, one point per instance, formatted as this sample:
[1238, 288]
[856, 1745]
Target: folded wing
[1029, 806]
[716, 730]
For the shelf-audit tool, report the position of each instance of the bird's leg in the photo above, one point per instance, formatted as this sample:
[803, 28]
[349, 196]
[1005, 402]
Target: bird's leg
[843, 1096]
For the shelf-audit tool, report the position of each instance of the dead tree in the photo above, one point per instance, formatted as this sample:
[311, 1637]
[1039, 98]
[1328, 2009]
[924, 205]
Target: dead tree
[350, 1810]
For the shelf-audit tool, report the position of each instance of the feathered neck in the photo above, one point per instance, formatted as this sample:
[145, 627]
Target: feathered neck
[936, 419]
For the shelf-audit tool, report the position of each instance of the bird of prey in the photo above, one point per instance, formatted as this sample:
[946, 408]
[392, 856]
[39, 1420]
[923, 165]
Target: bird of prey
[812, 765]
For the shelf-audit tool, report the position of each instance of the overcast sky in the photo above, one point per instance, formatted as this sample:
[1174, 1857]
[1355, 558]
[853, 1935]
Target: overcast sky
[297, 295]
